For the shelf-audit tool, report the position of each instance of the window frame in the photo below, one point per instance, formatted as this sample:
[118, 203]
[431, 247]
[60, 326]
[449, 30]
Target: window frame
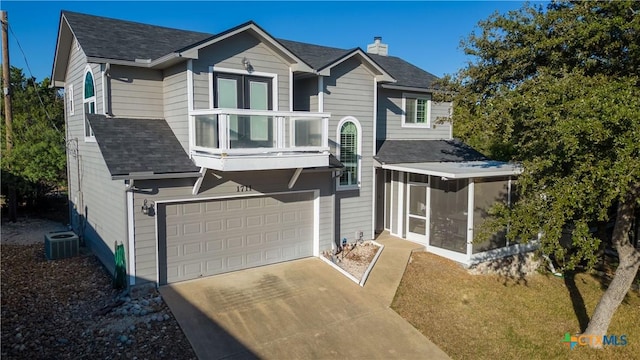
[89, 136]
[358, 152]
[415, 96]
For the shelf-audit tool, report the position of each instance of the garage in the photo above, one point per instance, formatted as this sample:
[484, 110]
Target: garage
[203, 238]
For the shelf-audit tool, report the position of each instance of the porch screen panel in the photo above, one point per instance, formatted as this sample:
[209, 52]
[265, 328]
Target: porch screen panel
[449, 200]
[488, 192]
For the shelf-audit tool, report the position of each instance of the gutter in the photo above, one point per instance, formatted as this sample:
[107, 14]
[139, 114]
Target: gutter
[153, 176]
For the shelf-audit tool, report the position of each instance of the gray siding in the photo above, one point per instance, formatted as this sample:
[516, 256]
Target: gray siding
[262, 182]
[389, 125]
[98, 203]
[229, 53]
[349, 92]
[176, 110]
[136, 92]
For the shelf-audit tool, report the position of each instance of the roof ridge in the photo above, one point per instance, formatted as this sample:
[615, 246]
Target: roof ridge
[63, 12]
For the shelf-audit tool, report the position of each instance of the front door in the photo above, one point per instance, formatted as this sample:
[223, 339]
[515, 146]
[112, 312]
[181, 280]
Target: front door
[417, 208]
[246, 92]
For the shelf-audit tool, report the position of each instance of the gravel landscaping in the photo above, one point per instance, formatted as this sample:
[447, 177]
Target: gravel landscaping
[67, 309]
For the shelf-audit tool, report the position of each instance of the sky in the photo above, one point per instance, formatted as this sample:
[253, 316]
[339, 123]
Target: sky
[424, 33]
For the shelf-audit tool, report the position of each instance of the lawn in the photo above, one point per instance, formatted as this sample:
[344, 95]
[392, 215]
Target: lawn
[492, 317]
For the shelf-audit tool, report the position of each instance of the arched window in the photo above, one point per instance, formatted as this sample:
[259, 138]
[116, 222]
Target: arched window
[350, 136]
[89, 100]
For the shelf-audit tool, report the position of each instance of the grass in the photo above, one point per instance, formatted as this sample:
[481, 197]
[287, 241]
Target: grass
[492, 317]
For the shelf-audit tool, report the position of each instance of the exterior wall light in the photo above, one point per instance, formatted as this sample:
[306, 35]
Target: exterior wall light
[147, 208]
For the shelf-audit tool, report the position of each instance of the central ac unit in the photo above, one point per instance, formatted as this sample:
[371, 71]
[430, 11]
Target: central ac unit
[60, 245]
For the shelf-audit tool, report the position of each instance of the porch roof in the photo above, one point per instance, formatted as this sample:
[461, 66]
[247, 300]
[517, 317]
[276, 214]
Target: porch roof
[459, 170]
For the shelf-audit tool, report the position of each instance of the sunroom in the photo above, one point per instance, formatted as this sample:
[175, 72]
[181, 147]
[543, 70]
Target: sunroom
[440, 204]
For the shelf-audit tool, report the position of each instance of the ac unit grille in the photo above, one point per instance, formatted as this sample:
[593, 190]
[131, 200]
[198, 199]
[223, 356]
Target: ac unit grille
[60, 245]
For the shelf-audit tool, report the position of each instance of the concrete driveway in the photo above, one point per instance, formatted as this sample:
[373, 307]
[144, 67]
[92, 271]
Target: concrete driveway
[296, 310]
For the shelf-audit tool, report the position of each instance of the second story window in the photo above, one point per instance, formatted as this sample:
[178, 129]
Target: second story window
[417, 110]
[349, 152]
[89, 101]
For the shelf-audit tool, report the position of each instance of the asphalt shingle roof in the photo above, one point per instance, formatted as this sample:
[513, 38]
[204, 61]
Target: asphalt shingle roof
[405, 73]
[125, 40]
[139, 145]
[417, 151]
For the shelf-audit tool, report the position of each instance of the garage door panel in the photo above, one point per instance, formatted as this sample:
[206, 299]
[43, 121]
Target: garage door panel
[212, 237]
[213, 226]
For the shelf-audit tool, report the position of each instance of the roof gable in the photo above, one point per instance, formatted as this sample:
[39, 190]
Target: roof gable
[136, 44]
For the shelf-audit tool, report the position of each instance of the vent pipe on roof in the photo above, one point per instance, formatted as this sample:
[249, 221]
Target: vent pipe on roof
[378, 47]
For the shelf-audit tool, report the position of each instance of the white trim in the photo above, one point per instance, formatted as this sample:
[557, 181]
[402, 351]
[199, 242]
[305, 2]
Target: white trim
[358, 155]
[316, 223]
[191, 124]
[294, 178]
[428, 224]
[316, 217]
[196, 186]
[470, 210]
[427, 97]
[211, 90]
[459, 170]
[93, 99]
[104, 94]
[320, 93]
[70, 98]
[131, 232]
[273, 76]
[384, 76]
[290, 89]
[400, 209]
[374, 210]
[296, 63]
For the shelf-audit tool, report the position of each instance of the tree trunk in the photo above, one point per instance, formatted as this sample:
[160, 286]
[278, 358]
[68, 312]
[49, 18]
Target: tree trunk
[629, 261]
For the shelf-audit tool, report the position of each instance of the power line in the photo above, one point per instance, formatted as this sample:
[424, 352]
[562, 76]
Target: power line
[24, 56]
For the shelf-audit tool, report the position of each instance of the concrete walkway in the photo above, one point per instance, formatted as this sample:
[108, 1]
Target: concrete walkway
[300, 310]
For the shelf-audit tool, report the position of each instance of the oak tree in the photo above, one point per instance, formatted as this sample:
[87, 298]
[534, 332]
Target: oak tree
[557, 89]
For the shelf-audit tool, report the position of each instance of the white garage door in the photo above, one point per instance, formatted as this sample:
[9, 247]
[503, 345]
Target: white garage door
[217, 236]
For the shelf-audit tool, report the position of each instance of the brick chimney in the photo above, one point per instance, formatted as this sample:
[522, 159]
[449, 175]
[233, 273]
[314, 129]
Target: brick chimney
[378, 47]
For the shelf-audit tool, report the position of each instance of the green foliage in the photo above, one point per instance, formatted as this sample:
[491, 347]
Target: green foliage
[558, 90]
[37, 162]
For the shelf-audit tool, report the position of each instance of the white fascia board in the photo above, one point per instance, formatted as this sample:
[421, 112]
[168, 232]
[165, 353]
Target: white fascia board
[66, 42]
[409, 88]
[460, 170]
[382, 76]
[153, 176]
[295, 62]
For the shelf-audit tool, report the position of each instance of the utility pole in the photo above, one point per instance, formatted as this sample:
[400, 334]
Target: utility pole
[8, 115]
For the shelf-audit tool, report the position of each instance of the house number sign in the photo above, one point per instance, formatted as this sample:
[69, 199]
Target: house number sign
[243, 188]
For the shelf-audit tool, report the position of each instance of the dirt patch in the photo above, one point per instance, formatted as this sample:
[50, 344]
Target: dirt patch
[354, 258]
[27, 231]
[67, 308]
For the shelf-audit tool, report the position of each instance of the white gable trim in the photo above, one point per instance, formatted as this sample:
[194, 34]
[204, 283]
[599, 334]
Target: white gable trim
[296, 63]
[381, 74]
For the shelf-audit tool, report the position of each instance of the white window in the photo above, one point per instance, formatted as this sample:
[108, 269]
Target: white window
[416, 110]
[72, 106]
[349, 152]
[89, 102]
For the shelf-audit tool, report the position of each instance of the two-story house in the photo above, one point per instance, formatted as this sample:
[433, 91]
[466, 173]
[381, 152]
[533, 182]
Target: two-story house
[205, 154]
